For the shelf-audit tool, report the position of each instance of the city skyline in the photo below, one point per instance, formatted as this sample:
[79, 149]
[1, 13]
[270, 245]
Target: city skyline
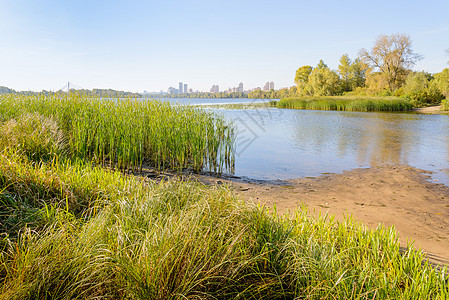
[111, 44]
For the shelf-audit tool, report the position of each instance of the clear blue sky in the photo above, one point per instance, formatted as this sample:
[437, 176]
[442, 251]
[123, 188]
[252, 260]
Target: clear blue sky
[151, 45]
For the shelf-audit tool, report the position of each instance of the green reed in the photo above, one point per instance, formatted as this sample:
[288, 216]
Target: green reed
[347, 103]
[128, 133]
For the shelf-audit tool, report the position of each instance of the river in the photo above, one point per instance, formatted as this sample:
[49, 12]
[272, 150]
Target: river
[284, 143]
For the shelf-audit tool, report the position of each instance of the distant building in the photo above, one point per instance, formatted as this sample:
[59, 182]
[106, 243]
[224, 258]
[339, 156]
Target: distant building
[215, 89]
[190, 91]
[266, 87]
[172, 90]
[269, 85]
[240, 88]
[180, 88]
[185, 88]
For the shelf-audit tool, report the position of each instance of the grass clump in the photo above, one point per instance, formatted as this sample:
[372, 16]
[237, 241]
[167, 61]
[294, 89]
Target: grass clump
[347, 103]
[37, 137]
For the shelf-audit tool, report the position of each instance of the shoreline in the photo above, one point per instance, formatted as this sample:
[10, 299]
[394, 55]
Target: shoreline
[430, 110]
[392, 195]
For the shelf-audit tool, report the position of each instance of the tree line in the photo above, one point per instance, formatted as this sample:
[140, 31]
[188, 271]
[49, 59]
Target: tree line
[100, 93]
[385, 70]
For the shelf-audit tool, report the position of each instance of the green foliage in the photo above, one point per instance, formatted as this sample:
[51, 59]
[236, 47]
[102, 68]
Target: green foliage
[347, 103]
[445, 104]
[420, 91]
[273, 94]
[321, 65]
[441, 82]
[352, 73]
[358, 74]
[324, 82]
[302, 74]
[344, 69]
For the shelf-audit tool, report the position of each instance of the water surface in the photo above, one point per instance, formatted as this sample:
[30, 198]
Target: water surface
[285, 144]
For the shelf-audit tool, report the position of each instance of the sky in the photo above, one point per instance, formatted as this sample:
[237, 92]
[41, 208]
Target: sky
[151, 45]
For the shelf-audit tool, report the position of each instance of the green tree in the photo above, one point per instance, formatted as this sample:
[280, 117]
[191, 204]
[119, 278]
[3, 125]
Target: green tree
[352, 73]
[324, 82]
[441, 81]
[392, 56]
[321, 65]
[358, 73]
[345, 71]
[420, 91]
[302, 74]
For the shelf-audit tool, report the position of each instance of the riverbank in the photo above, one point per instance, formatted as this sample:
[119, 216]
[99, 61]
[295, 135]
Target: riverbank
[431, 110]
[400, 196]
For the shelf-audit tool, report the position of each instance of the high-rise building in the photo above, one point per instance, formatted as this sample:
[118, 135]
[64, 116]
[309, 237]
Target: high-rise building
[180, 88]
[185, 88]
[266, 87]
[240, 88]
[269, 85]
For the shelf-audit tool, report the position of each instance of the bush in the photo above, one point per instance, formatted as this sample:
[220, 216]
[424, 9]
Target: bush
[427, 97]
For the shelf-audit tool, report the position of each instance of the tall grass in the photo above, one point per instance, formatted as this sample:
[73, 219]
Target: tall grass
[127, 133]
[182, 240]
[347, 103]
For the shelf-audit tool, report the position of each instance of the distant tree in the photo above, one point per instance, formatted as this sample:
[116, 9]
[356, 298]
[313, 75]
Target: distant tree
[441, 81]
[321, 65]
[416, 81]
[6, 90]
[352, 73]
[447, 51]
[420, 90]
[392, 56]
[376, 83]
[358, 71]
[344, 69]
[324, 82]
[302, 74]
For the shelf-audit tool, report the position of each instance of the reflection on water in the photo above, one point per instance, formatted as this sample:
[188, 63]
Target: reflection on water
[283, 144]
